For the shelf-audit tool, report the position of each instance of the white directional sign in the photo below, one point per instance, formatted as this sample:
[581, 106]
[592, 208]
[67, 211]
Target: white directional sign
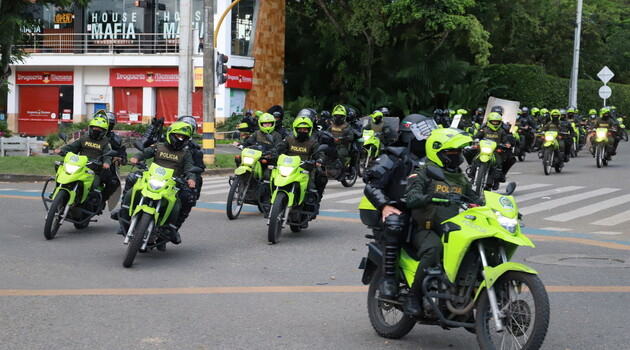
[605, 92]
[605, 75]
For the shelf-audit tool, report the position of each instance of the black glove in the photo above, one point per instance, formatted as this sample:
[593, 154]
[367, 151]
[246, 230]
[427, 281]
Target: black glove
[157, 122]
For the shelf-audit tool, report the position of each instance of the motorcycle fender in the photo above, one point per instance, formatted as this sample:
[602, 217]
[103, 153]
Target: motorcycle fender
[72, 194]
[290, 197]
[485, 158]
[493, 273]
[242, 170]
[370, 263]
[144, 208]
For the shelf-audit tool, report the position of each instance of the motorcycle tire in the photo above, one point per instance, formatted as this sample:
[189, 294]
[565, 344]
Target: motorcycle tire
[547, 160]
[480, 178]
[351, 177]
[276, 217]
[57, 207]
[82, 226]
[525, 313]
[599, 155]
[624, 135]
[235, 198]
[137, 237]
[264, 195]
[387, 319]
[364, 161]
[521, 156]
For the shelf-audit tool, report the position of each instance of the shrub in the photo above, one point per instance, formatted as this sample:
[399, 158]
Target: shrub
[5, 131]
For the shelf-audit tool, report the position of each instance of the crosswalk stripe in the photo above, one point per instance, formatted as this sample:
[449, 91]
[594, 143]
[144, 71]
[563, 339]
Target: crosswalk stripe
[214, 186]
[342, 194]
[550, 192]
[557, 203]
[590, 209]
[614, 220]
[351, 200]
[530, 187]
[225, 190]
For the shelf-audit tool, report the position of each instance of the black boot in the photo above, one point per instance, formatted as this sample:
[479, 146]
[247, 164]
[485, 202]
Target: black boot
[389, 282]
[412, 302]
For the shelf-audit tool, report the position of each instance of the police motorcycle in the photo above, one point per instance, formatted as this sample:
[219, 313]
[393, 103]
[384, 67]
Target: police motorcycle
[483, 171]
[520, 144]
[370, 151]
[73, 199]
[550, 153]
[248, 184]
[600, 143]
[291, 201]
[152, 200]
[475, 285]
[334, 168]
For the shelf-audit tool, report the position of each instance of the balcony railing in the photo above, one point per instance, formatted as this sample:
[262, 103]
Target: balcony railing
[88, 43]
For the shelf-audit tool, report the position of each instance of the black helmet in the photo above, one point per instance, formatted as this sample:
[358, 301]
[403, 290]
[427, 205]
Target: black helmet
[438, 111]
[414, 130]
[385, 111]
[525, 110]
[249, 113]
[497, 109]
[351, 114]
[189, 120]
[307, 113]
[480, 110]
[277, 111]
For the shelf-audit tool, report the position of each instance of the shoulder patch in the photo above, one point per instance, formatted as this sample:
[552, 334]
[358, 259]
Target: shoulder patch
[412, 175]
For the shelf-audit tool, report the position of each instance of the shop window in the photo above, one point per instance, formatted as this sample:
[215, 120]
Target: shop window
[242, 27]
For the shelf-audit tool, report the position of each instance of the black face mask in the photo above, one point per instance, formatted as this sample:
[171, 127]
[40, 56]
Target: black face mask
[96, 134]
[417, 147]
[377, 120]
[301, 136]
[452, 160]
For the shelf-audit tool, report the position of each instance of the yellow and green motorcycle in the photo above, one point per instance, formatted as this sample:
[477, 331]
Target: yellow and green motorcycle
[73, 199]
[475, 286]
[152, 200]
[248, 184]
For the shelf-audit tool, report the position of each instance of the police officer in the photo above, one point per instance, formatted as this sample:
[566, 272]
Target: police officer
[307, 148]
[494, 130]
[564, 129]
[607, 121]
[343, 133]
[380, 127]
[444, 150]
[385, 186]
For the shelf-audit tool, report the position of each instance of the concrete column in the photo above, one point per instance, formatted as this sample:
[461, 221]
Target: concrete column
[13, 98]
[148, 104]
[78, 105]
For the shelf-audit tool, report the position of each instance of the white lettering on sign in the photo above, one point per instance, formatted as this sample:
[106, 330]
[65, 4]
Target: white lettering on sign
[113, 25]
[129, 77]
[162, 76]
[170, 30]
[57, 77]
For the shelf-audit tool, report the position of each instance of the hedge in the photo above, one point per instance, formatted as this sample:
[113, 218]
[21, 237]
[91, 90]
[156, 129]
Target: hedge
[531, 86]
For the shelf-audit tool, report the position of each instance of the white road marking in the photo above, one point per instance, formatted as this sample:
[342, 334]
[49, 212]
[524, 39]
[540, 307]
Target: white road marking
[590, 209]
[543, 194]
[558, 203]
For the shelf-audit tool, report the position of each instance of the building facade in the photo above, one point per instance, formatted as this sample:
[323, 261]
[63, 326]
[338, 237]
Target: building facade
[123, 56]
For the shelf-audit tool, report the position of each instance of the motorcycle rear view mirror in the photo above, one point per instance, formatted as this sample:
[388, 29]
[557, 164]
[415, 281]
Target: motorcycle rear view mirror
[510, 188]
[196, 170]
[435, 173]
[111, 153]
[323, 148]
[139, 145]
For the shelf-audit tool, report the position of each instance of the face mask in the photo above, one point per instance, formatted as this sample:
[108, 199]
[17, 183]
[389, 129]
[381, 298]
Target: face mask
[96, 133]
[302, 136]
[452, 160]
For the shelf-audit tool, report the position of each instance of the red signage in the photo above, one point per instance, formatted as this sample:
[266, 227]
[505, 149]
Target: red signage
[45, 78]
[144, 77]
[239, 79]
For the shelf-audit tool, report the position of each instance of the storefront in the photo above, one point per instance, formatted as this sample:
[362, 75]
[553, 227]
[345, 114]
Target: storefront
[45, 100]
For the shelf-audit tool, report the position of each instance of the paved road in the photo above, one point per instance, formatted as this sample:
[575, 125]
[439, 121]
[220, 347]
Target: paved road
[225, 288]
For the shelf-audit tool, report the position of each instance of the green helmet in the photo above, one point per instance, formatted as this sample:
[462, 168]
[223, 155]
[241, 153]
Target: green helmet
[266, 118]
[494, 120]
[444, 147]
[377, 117]
[544, 111]
[258, 114]
[603, 111]
[302, 122]
[592, 111]
[339, 114]
[98, 128]
[555, 112]
[571, 110]
[462, 111]
[178, 134]
[535, 110]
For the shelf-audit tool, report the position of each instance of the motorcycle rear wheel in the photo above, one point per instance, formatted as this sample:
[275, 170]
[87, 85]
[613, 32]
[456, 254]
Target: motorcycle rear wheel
[235, 198]
[524, 313]
[137, 237]
[276, 217]
[57, 207]
[388, 320]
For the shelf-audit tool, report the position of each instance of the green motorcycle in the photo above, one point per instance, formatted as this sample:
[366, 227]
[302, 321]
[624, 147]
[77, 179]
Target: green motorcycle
[371, 150]
[551, 153]
[475, 286]
[291, 202]
[248, 184]
[73, 199]
[152, 200]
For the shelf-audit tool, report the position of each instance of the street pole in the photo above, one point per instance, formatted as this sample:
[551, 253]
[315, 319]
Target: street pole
[184, 91]
[208, 83]
[576, 57]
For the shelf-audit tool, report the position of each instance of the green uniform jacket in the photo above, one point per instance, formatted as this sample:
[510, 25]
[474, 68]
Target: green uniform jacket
[420, 189]
[184, 167]
[86, 146]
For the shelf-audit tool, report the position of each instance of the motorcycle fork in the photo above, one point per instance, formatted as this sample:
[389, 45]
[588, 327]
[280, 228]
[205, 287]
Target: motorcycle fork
[132, 224]
[492, 296]
[145, 241]
[67, 208]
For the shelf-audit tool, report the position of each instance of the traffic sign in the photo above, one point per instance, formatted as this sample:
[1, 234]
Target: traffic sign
[605, 75]
[605, 92]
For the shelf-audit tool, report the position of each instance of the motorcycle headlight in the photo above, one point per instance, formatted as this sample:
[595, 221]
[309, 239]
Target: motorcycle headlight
[285, 170]
[248, 160]
[486, 150]
[548, 138]
[156, 184]
[366, 137]
[507, 223]
[71, 168]
[601, 133]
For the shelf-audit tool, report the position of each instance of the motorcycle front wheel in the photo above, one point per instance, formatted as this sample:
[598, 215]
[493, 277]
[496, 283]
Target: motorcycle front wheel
[599, 155]
[351, 176]
[387, 319]
[53, 219]
[547, 160]
[235, 198]
[276, 217]
[480, 178]
[524, 312]
[137, 237]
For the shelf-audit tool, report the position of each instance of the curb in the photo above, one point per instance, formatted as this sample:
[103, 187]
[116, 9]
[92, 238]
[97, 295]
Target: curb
[37, 178]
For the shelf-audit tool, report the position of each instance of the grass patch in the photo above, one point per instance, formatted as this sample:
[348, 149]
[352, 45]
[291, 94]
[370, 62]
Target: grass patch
[45, 165]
